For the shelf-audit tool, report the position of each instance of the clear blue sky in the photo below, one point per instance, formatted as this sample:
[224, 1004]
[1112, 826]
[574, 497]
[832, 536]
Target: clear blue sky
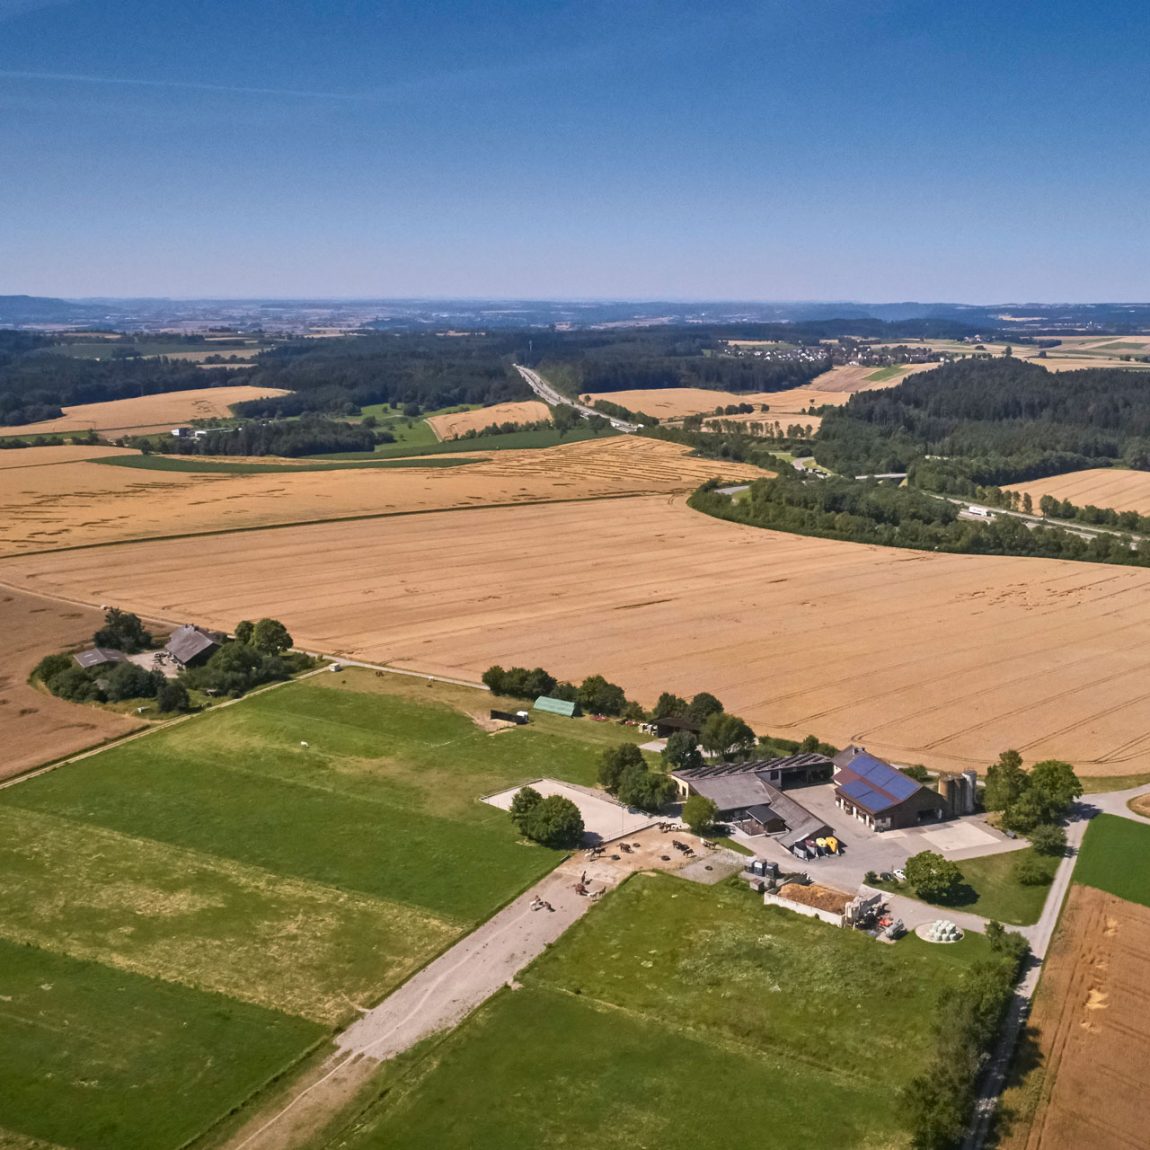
[967, 150]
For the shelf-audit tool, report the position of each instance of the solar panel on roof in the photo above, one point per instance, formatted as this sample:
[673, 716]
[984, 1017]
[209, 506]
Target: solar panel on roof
[900, 786]
[858, 790]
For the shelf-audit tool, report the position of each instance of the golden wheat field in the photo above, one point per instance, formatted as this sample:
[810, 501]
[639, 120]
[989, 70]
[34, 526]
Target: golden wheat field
[68, 504]
[1100, 486]
[932, 658]
[460, 422]
[35, 726]
[149, 413]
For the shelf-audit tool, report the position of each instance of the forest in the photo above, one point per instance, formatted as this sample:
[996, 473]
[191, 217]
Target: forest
[984, 422]
[871, 511]
[310, 435]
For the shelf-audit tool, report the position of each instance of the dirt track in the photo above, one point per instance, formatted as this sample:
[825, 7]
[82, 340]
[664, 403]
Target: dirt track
[1094, 1029]
[933, 658]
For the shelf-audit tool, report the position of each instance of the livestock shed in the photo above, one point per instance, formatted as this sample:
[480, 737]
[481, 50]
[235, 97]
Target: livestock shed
[668, 725]
[99, 657]
[880, 795]
[552, 706]
[189, 646]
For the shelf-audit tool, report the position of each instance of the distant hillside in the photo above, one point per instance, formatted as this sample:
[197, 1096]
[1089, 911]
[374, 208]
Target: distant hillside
[21, 310]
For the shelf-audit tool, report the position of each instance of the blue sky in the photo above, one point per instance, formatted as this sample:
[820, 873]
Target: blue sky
[785, 149]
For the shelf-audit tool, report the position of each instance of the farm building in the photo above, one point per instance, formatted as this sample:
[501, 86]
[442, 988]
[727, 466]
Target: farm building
[557, 706]
[744, 795]
[668, 725]
[99, 657]
[189, 646]
[880, 795]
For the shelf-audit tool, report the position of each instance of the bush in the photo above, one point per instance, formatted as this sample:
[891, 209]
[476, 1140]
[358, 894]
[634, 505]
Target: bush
[519, 682]
[127, 681]
[75, 685]
[235, 669]
[1049, 839]
[51, 666]
[523, 805]
[1031, 871]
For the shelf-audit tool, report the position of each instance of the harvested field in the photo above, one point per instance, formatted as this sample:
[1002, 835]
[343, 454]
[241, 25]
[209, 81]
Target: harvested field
[460, 422]
[36, 727]
[74, 504]
[22, 457]
[676, 402]
[149, 413]
[1093, 1028]
[849, 378]
[932, 658]
[1100, 486]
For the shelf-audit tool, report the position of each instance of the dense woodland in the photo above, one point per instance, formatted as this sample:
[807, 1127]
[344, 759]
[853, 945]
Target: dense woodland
[37, 380]
[991, 422]
[310, 435]
[875, 512]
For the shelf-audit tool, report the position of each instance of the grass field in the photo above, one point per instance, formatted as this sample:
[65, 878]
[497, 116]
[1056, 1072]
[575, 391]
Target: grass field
[992, 891]
[94, 1058]
[645, 1022]
[1115, 857]
[207, 902]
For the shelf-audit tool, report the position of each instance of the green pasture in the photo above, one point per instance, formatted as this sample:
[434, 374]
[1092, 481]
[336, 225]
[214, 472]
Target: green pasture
[94, 1058]
[991, 890]
[644, 1022]
[209, 900]
[1115, 857]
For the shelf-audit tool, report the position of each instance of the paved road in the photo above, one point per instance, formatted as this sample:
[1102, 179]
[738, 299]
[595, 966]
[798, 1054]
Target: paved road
[1040, 935]
[555, 398]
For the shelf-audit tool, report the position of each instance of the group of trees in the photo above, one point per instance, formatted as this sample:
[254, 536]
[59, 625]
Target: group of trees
[1030, 801]
[595, 695]
[260, 653]
[554, 821]
[286, 437]
[873, 511]
[938, 1102]
[618, 411]
[721, 734]
[624, 773]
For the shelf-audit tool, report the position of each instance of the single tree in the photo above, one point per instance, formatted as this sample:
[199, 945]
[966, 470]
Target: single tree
[523, 804]
[703, 706]
[932, 877]
[1029, 870]
[600, 697]
[1057, 783]
[123, 631]
[493, 677]
[614, 761]
[648, 790]
[244, 629]
[172, 695]
[682, 752]
[727, 736]
[271, 637]
[555, 822]
[668, 705]
[699, 814]
[1005, 782]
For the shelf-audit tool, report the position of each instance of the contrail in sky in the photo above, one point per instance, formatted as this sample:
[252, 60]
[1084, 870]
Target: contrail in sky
[181, 85]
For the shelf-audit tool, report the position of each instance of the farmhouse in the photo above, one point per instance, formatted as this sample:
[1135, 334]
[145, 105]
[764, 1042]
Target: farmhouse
[189, 646]
[744, 794]
[99, 657]
[880, 795]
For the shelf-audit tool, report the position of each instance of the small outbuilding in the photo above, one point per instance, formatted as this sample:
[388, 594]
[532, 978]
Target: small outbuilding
[668, 725]
[566, 707]
[189, 646]
[99, 657]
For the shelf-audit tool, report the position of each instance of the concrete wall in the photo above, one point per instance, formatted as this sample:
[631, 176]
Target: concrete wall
[802, 908]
